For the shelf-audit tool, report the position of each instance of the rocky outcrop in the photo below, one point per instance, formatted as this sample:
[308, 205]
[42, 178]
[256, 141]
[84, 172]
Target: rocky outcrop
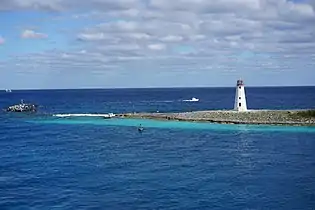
[22, 107]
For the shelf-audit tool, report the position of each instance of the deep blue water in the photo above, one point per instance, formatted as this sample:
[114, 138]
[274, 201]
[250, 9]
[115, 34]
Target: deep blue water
[93, 163]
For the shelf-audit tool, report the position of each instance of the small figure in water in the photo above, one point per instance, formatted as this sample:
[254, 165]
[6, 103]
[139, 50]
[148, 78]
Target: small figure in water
[140, 128]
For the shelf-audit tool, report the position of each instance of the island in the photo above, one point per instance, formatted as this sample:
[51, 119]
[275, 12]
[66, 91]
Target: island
[239, 115]
[270, 117]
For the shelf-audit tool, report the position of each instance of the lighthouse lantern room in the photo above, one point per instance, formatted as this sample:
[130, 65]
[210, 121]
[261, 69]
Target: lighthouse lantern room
[240, 98]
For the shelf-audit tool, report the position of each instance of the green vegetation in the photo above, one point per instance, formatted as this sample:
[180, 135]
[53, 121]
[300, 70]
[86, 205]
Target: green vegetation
[307, 113]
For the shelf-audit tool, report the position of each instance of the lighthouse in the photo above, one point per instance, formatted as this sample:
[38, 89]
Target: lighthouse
[240, 98]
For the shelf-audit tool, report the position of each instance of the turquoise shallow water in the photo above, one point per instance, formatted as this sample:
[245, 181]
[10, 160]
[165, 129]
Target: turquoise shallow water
[146, 123]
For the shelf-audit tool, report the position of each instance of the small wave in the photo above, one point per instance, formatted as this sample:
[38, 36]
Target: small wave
[165, 101]
[84, 115]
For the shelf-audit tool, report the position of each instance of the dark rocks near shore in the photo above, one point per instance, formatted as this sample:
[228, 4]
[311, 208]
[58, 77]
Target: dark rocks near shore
[22, 107]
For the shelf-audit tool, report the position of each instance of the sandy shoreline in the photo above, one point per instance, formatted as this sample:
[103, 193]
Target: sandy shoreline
[266, 117]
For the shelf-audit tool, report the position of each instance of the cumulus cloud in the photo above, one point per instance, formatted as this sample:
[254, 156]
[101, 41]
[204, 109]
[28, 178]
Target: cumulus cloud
[93, 36]
[1, 40]
[64, 5]
[29, 4]
[156, 46]
[172, 38]
[222, 37]
[30, 34]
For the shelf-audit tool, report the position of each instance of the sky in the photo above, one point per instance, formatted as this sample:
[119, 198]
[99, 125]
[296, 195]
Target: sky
[54, 44]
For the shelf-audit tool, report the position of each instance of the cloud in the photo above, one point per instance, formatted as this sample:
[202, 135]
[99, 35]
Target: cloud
[2, 40]
[172, 38]
[162, 38]
[156, 46]
[205, 6]
[65, 5]
[50, 5]
[93, 36]
[30, 34]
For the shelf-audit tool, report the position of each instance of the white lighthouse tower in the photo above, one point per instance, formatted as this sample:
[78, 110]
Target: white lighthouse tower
[240, 98]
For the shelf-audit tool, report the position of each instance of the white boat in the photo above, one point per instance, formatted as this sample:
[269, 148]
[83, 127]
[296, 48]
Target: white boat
[8, 90]
[192, 100]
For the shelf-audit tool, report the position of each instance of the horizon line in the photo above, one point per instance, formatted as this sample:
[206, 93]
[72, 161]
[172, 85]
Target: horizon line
[175, 87]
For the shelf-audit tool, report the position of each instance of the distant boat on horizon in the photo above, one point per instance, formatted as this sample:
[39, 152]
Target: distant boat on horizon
[192, 100]
[8, 90]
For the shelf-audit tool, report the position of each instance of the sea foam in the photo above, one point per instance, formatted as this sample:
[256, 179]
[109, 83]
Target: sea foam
[84, 115]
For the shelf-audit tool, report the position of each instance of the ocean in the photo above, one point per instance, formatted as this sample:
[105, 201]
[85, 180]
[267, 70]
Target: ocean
[48, 162]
